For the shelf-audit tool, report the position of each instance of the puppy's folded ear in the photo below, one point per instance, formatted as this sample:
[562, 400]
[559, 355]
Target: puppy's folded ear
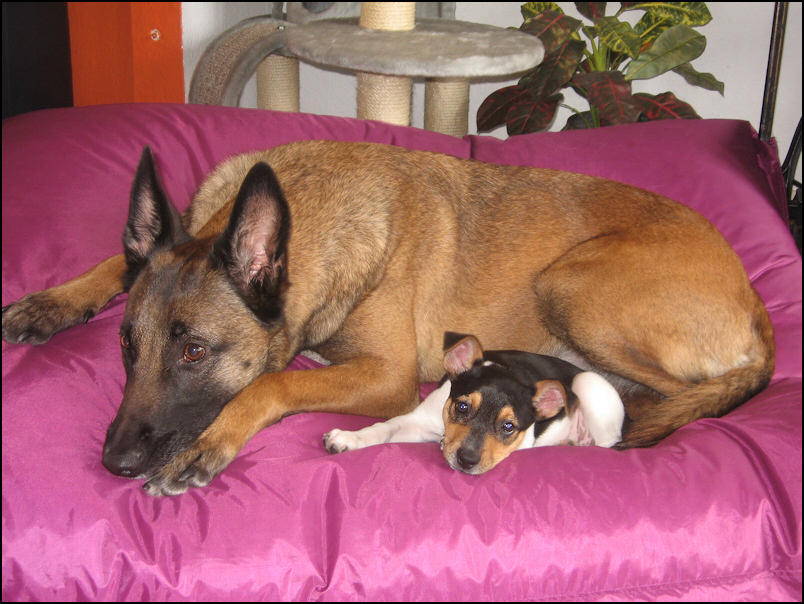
[549, 400]
[253, 248]
[461, 352]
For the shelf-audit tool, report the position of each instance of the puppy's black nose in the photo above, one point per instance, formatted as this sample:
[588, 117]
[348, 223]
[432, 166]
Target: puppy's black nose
[468, 458]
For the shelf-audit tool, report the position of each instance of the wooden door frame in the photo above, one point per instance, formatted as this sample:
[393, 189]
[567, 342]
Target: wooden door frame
[126, 52]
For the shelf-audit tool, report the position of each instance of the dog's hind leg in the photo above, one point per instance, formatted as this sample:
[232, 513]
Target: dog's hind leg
[712, 397]
[38, 316]
[648, 308]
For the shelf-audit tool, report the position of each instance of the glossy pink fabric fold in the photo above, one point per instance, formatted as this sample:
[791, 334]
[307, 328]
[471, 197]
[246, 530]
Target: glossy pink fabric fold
[713, 512]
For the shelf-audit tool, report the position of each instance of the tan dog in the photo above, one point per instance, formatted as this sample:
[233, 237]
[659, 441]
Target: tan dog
[367, 254]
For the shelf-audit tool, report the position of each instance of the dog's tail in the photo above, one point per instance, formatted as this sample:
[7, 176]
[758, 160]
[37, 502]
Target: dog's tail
[710, 398]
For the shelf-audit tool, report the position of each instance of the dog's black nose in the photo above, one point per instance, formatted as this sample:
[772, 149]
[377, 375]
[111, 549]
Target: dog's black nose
[126, 452]
[468, 458]
[128, 464]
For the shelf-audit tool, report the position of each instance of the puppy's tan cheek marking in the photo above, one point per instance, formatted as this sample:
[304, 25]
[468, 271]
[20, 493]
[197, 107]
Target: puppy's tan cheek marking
[495, 451]
[454, 435]
[454, 431]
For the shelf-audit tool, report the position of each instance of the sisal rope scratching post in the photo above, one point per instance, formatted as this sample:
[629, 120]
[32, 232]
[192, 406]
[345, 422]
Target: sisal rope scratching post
[384, 97]
[278, 83]
[446, 106]
[388, 16]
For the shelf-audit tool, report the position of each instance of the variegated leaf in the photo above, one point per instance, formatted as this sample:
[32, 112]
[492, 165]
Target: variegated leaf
[679, 44]
[650, 27]
[580, 121]
[591, 10]
[664, 106]
[556, 69]
[552, 28]
[493, 111]
[611, 94]
[528, 116]
[693, 14]
[696, 78]
[531, 9]
[618, 35]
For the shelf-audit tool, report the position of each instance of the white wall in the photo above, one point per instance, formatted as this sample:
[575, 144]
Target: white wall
[738, 38]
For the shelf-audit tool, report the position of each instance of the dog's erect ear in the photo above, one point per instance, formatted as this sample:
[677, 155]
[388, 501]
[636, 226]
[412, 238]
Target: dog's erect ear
[253, 248]
[550, 398]
[460, 352]
[153, 221]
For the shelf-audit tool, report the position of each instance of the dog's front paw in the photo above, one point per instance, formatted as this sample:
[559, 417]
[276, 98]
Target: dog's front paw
[338, 441]
[194, 467]
[37, 317]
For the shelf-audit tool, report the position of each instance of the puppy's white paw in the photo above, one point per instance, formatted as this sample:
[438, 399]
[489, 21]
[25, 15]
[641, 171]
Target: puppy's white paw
[338, 441]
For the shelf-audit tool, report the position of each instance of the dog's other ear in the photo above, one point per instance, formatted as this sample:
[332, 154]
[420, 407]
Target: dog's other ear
[153, 222]
[550, 398]
[253, 248]
[460, 352]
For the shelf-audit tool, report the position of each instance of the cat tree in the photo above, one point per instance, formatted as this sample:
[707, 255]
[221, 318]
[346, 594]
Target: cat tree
[386, 47]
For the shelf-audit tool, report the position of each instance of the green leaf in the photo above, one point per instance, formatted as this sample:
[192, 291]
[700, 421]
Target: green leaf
[579, 121]
[493, 111]
[693, 14]
[531, 9]
[531, 116]
[555, 70]
[664, 106]
[677, 45]
[618, 36]
[591, 10]
[696, 78]
[611, 94]
[552, 28]
[650, 27]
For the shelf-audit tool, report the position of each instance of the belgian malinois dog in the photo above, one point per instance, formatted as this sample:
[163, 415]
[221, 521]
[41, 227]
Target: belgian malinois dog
[367, 254]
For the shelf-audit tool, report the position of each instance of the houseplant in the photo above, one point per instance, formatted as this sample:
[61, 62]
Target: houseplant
[600, 65]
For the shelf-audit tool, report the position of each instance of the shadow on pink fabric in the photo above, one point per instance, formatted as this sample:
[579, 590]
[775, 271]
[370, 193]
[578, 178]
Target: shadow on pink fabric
[711, 513]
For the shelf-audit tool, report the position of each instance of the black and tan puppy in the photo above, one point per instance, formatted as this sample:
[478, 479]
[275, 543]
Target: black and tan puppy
[367, 254]
[492, 403]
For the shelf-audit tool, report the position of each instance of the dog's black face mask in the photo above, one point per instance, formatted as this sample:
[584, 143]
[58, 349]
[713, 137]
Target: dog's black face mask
[198, 322]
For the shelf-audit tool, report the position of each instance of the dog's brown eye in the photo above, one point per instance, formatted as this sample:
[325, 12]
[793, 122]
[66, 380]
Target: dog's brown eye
[461, 407]
[124, 341]
[194, 352]
[508, 427]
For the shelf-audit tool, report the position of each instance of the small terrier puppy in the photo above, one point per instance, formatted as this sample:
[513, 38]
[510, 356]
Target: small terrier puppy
[492, 403]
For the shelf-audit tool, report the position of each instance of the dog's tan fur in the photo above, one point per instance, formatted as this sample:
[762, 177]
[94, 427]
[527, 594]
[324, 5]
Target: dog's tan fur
[390, 248]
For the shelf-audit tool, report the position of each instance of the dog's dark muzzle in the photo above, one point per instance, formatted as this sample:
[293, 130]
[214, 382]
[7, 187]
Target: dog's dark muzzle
[136, 447]
[128, 464]
[127, 452]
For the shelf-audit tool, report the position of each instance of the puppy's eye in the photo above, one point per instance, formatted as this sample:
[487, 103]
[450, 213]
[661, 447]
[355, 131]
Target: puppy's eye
[194, 352]
[508, 428]
[124, 341]
[461, 407]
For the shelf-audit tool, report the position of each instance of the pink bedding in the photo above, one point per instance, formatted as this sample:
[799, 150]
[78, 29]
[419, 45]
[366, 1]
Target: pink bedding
[713, 512]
